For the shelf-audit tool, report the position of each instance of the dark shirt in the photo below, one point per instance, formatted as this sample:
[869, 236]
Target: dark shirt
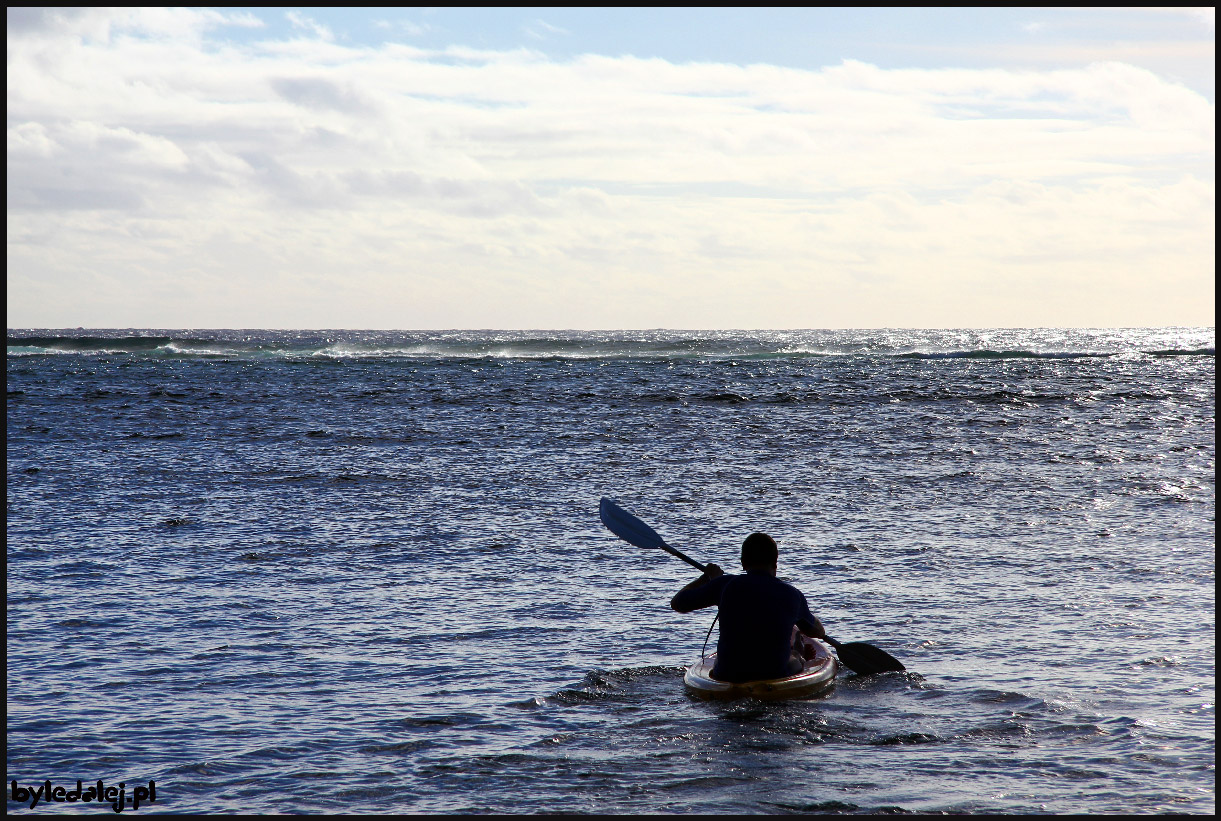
[757, 612]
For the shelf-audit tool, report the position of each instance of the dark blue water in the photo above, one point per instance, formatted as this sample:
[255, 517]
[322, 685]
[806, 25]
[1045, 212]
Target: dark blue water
[363, 572]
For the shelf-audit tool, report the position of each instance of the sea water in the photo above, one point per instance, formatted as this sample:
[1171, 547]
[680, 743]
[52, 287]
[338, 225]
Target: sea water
[363, 572]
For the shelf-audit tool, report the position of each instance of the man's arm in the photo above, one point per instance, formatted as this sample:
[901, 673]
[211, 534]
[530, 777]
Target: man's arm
[711, 571]
[812, 627]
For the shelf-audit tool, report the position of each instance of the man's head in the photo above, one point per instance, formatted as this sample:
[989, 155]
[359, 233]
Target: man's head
[759, 552]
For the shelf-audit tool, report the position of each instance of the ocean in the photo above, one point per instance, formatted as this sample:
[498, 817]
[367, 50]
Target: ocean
[363, 572]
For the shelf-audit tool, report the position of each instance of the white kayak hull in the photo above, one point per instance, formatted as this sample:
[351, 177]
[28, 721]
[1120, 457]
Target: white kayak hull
[818, 675]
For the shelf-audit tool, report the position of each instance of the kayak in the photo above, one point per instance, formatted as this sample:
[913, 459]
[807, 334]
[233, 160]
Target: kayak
[819, 674]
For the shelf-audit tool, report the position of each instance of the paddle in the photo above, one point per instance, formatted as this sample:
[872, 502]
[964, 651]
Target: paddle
[865, 659]
[857, 656]
[632, 530]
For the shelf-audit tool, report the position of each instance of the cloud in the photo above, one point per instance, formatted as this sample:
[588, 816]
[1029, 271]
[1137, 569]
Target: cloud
[407, 27]
[540, 29]
[98, 24]
[464, 187]
[300, 21]
[320, 93]
[1207, 16]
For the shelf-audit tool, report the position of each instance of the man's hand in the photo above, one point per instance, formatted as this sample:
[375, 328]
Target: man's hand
[816, 632]
[711, 571]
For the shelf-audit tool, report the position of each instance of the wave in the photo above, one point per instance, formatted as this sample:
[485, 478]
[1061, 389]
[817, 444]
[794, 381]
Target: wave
[574, 345]
[1184, 352]
[987, 354]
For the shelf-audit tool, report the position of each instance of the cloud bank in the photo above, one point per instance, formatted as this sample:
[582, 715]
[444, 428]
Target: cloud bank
[160, 174]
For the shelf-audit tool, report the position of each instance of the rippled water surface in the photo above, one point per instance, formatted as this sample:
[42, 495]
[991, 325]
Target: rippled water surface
[363, 572]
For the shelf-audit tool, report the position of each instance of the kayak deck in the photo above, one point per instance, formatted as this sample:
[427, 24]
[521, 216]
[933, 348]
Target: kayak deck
[819, 674]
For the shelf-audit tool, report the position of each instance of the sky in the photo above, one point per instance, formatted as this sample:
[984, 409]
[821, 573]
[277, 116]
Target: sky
[550, 168]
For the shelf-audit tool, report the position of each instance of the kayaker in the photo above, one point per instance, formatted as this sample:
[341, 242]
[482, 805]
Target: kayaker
[758, 615]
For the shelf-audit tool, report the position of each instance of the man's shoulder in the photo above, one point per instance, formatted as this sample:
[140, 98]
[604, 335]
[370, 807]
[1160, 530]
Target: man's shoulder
[701, 595]
[790, 588]
[767, 582]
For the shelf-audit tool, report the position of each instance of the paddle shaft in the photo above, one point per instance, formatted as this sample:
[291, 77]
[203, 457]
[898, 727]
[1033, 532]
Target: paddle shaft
[672, 551]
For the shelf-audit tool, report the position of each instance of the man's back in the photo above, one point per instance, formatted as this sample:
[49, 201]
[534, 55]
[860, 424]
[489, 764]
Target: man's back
[758, 612]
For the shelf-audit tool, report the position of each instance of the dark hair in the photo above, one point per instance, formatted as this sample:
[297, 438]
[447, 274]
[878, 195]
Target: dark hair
[759, 550]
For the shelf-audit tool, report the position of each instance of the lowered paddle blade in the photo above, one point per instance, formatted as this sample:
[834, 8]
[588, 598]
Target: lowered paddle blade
[865, 659]
[630, 529]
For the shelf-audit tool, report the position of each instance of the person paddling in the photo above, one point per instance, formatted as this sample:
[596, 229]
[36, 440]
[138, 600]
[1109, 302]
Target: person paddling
[762, 618]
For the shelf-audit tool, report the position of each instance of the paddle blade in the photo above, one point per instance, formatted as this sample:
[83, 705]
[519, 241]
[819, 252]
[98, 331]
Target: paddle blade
[865, 659]
[628, 527]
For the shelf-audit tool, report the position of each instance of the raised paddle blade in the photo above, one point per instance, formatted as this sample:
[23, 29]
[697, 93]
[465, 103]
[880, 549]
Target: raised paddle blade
[627, 527]
[630, 529]
[865, 659]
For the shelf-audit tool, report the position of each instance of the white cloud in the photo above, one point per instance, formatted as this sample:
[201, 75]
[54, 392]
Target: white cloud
[300, 21]
[540, 29]
[1206, 15]
[98, 24]
[169, 181]
[408, 27]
